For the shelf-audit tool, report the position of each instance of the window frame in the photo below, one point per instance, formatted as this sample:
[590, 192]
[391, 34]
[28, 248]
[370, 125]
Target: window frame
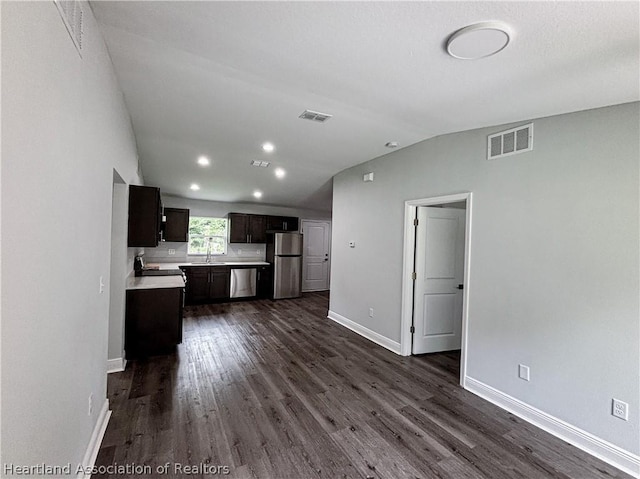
[224, 238]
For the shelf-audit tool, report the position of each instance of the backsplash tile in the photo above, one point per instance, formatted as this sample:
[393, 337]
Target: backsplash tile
[235, 252]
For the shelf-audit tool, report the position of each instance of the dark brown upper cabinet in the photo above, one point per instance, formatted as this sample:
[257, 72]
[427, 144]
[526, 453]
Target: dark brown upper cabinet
[282, 223]
[244, 228]
[176, 226]
[145, 216]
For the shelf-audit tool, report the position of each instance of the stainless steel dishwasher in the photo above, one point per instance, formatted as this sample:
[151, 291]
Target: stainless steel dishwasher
[243, 282]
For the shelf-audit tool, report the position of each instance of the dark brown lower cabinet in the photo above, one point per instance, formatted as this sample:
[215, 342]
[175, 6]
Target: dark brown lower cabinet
[197, 289]
[219, 287]
[205, 283]
[153, 321]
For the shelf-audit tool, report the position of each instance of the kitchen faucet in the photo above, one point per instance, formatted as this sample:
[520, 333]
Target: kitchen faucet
[208, 260]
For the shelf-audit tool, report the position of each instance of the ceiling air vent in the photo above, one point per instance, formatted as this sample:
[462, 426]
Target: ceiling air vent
[72, 16]
[315, 116]
[510, 142]
[260, 164]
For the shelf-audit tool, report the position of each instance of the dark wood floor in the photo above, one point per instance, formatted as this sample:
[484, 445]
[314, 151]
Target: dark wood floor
[276, 390]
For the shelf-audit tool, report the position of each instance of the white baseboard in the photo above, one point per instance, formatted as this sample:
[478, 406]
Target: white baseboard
[116, 365]
[96, 440]
[365, 332]
[604, 450]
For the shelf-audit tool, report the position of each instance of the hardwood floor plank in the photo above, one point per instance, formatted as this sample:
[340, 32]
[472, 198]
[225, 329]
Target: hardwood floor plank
[275, 390]
[330, 457]
[371, 454]
[420, 450]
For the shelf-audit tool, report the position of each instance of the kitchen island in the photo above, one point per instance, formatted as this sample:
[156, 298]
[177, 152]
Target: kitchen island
[153, 318]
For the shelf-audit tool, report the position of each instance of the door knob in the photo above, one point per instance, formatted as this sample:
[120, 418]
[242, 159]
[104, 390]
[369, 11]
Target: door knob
[460, 286]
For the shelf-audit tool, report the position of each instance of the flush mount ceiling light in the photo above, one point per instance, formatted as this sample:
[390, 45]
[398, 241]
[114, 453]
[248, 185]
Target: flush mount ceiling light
[268, 147]
[257, 194]
[260, 164]
[194, 187]
[280, 173]
[203, 161]
[479, 40]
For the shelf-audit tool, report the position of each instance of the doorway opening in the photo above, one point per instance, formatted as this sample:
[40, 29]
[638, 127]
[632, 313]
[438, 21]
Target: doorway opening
[117, 274]
[435, 282]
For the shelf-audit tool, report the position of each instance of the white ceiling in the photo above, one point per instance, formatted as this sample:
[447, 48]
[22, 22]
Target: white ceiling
[220, 78]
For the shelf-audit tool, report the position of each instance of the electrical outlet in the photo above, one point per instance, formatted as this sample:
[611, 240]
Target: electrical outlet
[239, 252]
[257, 251]
[90, 411]
[523, 372]
[172, 251]
[620, 409]
[371, 312]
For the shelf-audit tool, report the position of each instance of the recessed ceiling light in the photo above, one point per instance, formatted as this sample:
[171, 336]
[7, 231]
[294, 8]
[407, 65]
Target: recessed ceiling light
[280, 173]
[203, 161]
[194, 187]
[257, 194]
[268, 147]
[391, 144]
[479, 40]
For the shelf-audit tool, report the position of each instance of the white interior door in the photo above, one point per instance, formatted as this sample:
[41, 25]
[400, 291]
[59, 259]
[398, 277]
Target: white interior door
[316, 255]
[439, 263]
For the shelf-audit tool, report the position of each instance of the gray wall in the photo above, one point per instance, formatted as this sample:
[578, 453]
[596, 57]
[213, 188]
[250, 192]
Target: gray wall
[554, 259]
[64, 130]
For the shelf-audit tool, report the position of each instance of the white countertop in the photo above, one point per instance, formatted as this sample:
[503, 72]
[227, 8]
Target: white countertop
[164, 266]
[155, 282]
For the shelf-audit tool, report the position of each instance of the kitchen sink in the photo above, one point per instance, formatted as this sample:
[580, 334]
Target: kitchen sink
[217, 263]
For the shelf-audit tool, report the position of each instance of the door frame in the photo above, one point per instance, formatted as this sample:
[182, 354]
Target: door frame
[410, 209]
[328, 223]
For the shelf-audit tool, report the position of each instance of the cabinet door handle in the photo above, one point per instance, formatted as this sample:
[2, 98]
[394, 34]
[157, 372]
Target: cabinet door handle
[285, 226]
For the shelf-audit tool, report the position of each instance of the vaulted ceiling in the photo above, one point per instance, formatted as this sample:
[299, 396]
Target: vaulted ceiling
[220, 78]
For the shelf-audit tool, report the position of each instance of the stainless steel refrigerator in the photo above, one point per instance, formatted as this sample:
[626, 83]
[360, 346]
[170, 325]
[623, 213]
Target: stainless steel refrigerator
[284, 252]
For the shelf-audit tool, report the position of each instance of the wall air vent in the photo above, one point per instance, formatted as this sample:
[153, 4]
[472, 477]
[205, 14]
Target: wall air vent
[260, 164]
[72, 16]
[510, 142]
[315, 116]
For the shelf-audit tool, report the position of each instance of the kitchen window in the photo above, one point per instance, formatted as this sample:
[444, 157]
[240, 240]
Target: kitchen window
[207, 235]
